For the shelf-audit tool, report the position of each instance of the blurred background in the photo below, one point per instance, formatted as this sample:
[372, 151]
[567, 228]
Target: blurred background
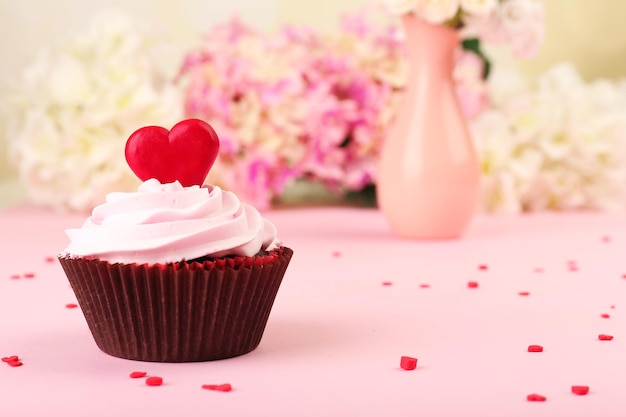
[589, 34]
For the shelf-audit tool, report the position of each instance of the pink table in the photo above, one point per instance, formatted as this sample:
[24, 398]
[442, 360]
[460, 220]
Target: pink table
[334, 340]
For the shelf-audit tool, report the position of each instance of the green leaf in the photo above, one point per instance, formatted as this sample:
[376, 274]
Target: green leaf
[474, 45]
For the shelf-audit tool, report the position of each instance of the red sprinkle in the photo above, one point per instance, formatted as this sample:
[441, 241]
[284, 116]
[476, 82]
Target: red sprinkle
[154, 381]
[535, 397]
[605, 337]
[580, 389]
[10, 358]
[483, 267]
[221, 387]
[387, 283]
[524, 293]
[408, 363]
[50, 259]
[14, 363]
[71, 305]
[424, 285]
[535, 348]
[29, 275]
[472, 284]
[138, 374]
[14, 276]
[612, 306]
[605, 316]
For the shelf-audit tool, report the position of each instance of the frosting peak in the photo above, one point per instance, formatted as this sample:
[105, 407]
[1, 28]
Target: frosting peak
[162, 223]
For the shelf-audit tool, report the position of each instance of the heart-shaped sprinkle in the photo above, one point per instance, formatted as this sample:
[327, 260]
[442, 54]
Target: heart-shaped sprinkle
[580, 389]
[408, 363]
[184, 154]
[535, 398]
[154, 381]
[220, 387]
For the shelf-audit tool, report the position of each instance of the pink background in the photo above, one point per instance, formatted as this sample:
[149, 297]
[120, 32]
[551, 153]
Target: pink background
[333, 343]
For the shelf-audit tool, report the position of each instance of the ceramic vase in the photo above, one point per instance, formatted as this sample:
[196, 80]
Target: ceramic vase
[428, 173]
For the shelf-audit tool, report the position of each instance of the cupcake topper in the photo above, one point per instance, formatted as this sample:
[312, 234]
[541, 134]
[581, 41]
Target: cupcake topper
[185, 153]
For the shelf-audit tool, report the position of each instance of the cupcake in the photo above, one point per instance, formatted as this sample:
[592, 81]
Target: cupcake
[177, 271]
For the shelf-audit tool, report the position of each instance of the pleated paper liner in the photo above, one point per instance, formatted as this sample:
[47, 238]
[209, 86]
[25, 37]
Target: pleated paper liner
[181, 312]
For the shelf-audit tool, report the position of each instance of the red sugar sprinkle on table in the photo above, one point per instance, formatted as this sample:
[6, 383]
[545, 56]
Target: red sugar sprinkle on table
[15, 276]
[138, 374]
[218, 387]
[612, 306]
[408, 363]
[71, 305]
[523, 293]
[387, 283]
[13, 361]
[154, 381]
[535, 348]
[50, 259]
[483, 267]
[580, 389]
[29, 275]
[472, 284]
[605, 337]
[605, 316]
[424, 285]
[535, 397]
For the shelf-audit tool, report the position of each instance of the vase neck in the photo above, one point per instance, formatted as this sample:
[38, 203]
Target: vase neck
[428, 43]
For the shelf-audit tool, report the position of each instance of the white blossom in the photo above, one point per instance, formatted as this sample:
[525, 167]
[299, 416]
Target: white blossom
[556, 144]
[74, 106]
[437, 11]
[479, 8]
[399, 7]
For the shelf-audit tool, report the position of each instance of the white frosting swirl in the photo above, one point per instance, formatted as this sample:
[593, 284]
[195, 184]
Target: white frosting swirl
[163, 223]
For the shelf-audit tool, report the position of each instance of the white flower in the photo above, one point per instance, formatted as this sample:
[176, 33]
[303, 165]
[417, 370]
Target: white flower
[437, 11]
[479, 8]
[515, 14]
[74, 107]
[557, 144]
[522, 24]
[399, 7]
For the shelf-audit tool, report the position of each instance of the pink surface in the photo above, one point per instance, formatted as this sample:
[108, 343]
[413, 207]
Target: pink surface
[334, 340]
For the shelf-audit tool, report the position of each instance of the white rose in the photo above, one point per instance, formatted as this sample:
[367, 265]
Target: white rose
[516, 16]
[437, 11]
[479, 8]
[399, 7]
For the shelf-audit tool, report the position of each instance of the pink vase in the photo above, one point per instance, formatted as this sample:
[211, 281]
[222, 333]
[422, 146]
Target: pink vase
[428, 174]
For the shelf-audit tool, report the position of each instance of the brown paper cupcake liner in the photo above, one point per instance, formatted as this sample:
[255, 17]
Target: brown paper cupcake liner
[181, 312]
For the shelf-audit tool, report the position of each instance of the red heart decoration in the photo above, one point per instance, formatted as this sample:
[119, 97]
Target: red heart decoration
[186, 153]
